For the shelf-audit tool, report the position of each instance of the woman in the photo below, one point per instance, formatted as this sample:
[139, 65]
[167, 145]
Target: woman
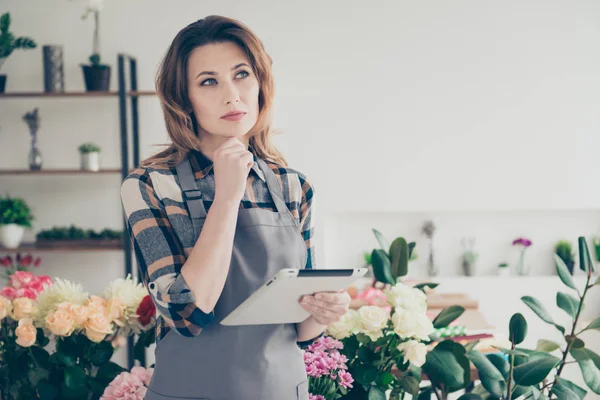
[216, 215]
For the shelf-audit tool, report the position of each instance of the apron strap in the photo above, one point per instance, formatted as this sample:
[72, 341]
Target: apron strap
[274, 187]
[191, 195]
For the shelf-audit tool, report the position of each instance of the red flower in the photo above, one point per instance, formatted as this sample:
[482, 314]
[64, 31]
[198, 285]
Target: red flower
[9, 292]
[37, 262]
[26, 292]
[146, 310]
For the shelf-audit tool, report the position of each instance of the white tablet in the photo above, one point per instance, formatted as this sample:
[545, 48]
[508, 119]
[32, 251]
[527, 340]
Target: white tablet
[276, 302]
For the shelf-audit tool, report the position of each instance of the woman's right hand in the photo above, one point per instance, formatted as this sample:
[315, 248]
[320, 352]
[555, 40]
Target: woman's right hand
[232, 162]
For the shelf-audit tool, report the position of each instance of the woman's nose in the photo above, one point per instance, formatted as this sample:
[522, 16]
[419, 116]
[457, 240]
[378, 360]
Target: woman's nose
[231, 95]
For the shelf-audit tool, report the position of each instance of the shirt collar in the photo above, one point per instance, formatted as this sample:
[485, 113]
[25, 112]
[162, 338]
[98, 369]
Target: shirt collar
[202, 165]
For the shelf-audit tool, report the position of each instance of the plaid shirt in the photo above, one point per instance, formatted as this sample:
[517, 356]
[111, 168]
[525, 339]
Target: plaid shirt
[161, 230]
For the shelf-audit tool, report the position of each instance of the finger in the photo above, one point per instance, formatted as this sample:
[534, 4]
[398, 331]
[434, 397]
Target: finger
[331, 298]
[229, 143]
[324, 307]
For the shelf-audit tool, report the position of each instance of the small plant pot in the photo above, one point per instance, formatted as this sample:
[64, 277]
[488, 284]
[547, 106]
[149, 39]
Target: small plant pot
[11, 235]
[503, 271]
[97, 79]
[2, 83]
[90, 161]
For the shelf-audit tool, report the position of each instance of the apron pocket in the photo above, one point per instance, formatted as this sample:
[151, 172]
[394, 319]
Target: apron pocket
[302, 390]
[151, 395]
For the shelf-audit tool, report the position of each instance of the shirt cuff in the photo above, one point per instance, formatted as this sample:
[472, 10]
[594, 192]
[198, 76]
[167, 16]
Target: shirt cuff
[177, 292]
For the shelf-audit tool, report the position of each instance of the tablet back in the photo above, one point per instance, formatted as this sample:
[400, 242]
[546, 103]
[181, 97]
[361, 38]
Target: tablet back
[276, 302]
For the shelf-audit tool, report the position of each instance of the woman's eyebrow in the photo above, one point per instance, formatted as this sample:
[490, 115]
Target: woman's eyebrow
[214, 73]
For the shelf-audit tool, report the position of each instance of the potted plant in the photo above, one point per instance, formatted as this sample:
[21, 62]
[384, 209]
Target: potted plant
[503, 269]
[469, 256]
[15, 216]
[89, 156]
[522, 244]
[9, 43]
[95, 74]
[564, 249]
[33, 123]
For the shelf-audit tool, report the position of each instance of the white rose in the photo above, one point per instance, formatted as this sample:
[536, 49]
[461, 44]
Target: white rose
[374, 335]
[414, 352]
[345, 327]
[410, 324]
[402, 296]
[372, 319]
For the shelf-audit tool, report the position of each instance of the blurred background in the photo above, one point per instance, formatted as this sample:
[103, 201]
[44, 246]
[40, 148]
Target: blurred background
[477, 117]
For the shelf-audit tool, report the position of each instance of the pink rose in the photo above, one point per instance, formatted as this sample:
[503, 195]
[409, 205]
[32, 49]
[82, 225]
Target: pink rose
[26, 292]
[144, 374]
[125, 386]
[20, 279]
[9, 292]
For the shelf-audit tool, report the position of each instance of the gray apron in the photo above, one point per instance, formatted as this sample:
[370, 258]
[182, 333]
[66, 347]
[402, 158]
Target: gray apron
[238, 362]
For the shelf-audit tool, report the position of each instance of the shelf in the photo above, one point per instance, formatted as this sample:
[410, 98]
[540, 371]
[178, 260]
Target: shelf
[58, 172]
[75, 94]
[112, 245]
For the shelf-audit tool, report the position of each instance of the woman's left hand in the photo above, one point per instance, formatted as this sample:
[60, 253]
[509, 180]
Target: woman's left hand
[326, 307]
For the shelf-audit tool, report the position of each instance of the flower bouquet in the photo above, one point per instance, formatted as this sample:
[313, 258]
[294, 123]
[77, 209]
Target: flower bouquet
[386, 347]
[59, 343]
[327, 370]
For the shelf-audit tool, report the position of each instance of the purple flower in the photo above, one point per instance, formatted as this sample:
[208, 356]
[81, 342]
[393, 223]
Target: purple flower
[522, 241]
[345, 379]
[317, 397]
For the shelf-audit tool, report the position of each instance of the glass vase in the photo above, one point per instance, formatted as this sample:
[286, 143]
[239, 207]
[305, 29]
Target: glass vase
[35, 157]
[522, 266]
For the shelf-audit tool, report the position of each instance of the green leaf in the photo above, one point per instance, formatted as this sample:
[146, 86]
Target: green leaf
[595, 324]
[585, 260]
[365, 374]
[66, 359]
[41, 339]
[470, 396]
[447, 364]
[566, 390]
[546, 346]
[399, 257]
[101, 353]
[567, 303]
[535, 369]
[501, 363]
[491, 379]
[410, 384]
[484, 366]
[109, 371]
[447, 316]
[366, 355]
[541, 312]
[563, 272]
[422, 286]
[471, 345]
[74, 377]
[47, 390]
[382, 268]
[41, 356]
[575, 342]
[517, 352]
[98, 388]
[425, 394]
[383, 242]
[384, 379]
[376, 394]
[517, 328]
[589, 370]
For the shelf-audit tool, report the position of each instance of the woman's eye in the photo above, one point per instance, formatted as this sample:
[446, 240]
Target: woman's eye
[204, 83]
[246, 73]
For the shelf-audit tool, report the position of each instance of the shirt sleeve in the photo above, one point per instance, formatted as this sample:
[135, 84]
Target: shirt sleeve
[160, 256]
[306, 219]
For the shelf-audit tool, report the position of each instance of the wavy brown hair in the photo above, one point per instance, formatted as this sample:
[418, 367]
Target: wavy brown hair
[171, 87]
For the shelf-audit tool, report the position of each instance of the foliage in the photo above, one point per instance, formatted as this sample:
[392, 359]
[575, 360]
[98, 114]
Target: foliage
[15, 211]
[75, 233]
[8, 41]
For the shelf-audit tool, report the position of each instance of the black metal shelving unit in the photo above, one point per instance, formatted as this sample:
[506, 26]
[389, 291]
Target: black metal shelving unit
[130, 154]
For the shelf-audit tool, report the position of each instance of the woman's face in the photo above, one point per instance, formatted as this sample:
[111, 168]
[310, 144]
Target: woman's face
[221, 80]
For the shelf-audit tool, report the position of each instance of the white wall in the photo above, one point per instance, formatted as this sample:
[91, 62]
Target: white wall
[481, 114]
